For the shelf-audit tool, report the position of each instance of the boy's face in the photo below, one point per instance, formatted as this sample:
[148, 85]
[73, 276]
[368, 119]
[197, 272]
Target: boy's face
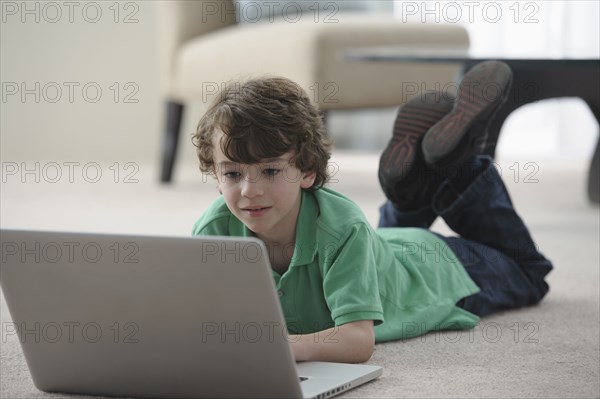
[264, 196]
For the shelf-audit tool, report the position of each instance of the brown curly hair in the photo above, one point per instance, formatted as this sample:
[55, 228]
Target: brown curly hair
[261, 119]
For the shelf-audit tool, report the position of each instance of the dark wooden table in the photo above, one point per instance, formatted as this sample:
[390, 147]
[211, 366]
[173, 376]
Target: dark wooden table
[534, 79]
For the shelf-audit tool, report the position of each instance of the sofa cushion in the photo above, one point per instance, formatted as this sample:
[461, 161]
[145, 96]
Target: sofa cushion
[314, 56]
[252, 11]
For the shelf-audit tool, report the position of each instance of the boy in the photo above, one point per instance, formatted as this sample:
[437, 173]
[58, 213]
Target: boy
[344, 285]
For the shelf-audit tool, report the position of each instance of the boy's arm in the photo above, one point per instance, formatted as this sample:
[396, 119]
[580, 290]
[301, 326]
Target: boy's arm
[349, 343]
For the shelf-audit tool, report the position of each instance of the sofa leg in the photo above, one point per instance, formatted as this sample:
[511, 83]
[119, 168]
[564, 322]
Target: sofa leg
[171, 138]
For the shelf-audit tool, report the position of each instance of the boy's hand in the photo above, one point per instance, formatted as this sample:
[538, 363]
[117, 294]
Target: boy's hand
[349, 343]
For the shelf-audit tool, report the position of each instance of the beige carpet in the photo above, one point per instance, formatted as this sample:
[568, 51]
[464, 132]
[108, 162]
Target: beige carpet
[547, 351]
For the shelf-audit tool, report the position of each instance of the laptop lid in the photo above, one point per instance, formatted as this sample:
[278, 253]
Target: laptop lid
[144, 316]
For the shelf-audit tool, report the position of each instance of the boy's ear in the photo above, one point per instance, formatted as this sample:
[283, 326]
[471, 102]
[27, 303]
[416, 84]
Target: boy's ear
[308, 179]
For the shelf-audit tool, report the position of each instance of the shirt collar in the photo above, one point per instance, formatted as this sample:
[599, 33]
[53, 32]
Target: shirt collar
[305, 247]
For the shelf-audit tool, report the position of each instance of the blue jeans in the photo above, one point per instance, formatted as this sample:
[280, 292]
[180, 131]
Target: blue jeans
[494, 245]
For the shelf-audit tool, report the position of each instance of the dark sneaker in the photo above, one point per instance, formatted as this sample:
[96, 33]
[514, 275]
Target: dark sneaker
[462, 133]
[401, 165]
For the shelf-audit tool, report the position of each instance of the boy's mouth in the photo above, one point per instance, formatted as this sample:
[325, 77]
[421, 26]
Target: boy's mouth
[255, 211]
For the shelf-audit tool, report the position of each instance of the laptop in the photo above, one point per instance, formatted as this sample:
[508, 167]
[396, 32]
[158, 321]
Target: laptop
[156, 317]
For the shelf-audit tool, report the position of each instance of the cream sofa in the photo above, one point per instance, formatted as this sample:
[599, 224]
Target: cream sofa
[203, 46]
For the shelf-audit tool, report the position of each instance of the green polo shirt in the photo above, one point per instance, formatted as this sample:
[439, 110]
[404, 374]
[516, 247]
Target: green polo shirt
[406, 280]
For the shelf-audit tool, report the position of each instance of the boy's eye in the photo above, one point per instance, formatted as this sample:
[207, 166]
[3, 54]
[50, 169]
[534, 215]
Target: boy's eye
[232, 175]
[271, 172]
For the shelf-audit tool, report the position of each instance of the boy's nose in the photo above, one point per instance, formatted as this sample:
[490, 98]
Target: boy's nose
[251, 187]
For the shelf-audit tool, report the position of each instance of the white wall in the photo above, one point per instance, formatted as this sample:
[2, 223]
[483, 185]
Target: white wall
[50, 53]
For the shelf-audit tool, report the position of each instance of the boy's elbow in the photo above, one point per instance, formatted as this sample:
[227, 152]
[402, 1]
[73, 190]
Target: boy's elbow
[366, 347]
[366, 353]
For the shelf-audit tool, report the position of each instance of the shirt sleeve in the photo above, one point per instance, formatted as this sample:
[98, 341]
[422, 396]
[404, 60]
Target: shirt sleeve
[350, 281]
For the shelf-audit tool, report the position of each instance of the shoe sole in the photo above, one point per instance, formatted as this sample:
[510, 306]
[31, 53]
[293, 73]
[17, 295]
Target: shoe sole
[413, 120]
[481, 92]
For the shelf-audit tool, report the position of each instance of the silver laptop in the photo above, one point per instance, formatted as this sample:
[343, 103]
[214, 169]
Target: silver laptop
[163, 317]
